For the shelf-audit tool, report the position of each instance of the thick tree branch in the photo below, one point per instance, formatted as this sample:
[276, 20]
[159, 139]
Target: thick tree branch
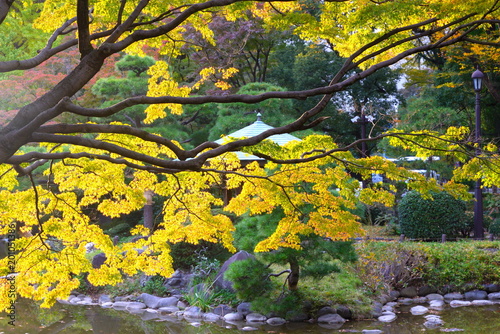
[4, 9]
[29, 118]
[82, 14]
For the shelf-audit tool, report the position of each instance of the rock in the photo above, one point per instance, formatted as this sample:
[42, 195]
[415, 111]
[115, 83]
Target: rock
[376, 309]
[419, 310]
[331, 319]
[384, 299]
[220, 282]
[244, 309]
[492, 288]
[409, 292]
[276, 321]
[453, 296]
[326, 310]
[193, 312]
[344, 312]
[494, 296]
[436, 304]
[475, 295]
[434, 296]
[394, 295]
[460, 303]
[107, 304]
[89, 247]
[157, 302]
[388, 308]
[426, 290]
[168, 301]
[482, 302]
[178, 281]
[181, 305]
[388, 313]
[371, 331]
[222, 310]
[235, 316]
[104, 299]
[98, 260]
[211, 317]
[387, 318]
[255, 317]
[296, 316]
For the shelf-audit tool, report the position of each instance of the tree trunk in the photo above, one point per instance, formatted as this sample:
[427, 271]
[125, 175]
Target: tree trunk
[148, 210]
[293, 278]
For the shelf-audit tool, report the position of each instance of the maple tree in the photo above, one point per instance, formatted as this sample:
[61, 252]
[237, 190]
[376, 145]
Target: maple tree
[111, 165]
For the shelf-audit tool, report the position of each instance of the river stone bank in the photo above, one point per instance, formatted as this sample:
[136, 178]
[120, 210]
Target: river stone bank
[150, 307]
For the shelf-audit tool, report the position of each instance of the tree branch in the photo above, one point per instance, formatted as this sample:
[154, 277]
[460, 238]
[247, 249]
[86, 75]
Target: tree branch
[82, 14]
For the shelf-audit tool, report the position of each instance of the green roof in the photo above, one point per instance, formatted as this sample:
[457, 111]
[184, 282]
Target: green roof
[254, 129]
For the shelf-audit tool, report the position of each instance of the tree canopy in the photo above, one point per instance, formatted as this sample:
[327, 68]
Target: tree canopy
[111, 164]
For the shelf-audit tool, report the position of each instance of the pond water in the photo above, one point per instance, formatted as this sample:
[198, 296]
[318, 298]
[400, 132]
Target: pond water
[69, 319]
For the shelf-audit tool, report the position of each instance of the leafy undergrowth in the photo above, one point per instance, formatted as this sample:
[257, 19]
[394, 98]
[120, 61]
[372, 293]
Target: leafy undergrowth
[343, 288]
[456, 266]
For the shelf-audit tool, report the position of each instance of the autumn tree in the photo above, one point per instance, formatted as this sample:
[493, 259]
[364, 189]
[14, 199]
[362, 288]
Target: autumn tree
[111, 165]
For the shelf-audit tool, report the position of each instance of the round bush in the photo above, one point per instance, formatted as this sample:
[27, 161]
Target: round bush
[431, 218]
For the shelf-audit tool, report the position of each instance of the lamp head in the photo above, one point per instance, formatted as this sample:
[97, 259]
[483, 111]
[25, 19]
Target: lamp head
[477, 80]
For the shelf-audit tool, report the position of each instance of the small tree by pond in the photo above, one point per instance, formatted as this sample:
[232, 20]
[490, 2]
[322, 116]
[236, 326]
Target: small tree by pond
[314, 259]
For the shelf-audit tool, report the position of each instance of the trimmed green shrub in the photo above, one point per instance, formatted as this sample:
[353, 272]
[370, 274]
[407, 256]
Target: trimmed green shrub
[422, 218]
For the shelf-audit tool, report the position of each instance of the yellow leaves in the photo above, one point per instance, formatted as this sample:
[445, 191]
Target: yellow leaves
[448, 85]
[218, 75]
[161, 83]
[372, 195]
[8, 177]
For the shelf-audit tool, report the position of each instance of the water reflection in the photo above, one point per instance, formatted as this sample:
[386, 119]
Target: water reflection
[68, 319]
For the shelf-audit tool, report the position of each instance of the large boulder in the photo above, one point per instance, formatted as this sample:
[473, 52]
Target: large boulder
[220, 282]
[157, 302]
[98, 260]
[244, 309]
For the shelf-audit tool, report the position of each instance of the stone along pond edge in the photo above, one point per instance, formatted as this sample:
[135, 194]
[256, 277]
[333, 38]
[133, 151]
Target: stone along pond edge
[150, 307]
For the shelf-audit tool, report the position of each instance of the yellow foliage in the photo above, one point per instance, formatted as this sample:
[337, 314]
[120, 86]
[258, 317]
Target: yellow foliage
[316, 196]
[161, 84]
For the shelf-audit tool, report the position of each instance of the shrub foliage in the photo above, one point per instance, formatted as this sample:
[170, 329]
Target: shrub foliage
[422, 218]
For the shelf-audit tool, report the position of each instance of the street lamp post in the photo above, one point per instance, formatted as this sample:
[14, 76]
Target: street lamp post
[477, 81]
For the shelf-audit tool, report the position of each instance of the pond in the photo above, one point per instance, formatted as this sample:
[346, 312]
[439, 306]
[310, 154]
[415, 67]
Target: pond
[66, 319]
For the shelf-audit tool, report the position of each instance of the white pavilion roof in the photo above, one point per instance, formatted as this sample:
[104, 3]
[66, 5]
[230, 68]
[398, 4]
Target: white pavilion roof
[254, 129]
